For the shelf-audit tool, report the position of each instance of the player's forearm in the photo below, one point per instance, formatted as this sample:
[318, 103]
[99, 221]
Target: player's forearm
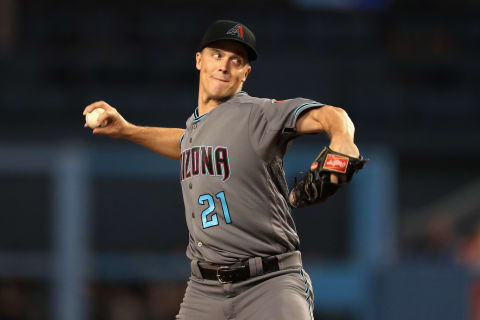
[164, 141]
[336, 123]
[339, 125]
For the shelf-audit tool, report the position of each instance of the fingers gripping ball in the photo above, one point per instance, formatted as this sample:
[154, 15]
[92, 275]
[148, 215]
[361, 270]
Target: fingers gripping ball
[92, 118]
[315, 186]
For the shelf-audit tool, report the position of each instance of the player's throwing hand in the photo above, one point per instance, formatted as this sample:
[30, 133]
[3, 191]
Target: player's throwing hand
[115, 125]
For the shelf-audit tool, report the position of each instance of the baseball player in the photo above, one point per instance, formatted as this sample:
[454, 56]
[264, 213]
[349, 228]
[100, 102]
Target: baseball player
[243, 244]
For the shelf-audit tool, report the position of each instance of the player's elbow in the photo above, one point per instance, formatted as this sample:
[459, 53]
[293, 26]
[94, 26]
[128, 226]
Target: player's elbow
[336, 120]
[336, 112]
[347, 122]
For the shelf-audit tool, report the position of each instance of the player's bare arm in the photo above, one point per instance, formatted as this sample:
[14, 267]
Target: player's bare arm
[164, 141]
[336, 123]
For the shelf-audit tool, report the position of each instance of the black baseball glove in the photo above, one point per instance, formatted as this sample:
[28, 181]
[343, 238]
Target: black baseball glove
[315, 186]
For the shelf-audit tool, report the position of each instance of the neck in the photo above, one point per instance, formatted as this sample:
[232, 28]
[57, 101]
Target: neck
[207, 103]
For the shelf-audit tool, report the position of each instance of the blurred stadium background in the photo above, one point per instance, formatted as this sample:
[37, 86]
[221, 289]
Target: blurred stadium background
[93, 228]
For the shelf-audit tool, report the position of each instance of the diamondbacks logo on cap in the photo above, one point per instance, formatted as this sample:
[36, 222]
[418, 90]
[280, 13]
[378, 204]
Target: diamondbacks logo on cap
[236, 31]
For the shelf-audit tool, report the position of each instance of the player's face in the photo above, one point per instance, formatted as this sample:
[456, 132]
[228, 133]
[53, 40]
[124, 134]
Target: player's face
[223, 69]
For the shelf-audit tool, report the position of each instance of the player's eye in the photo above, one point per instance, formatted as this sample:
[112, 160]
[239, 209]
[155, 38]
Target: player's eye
[216, 55]
[237, 61]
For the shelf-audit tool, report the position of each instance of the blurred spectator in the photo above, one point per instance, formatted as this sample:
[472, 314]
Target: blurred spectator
[469, 254]
[12, 302]
[438, 243]
[163, 300]
[125, 305]
[7, 24]
[139, 301]
[23, 300]
[440, 238]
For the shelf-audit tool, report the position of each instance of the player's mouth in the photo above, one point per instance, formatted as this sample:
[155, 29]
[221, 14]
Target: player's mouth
[220, 79]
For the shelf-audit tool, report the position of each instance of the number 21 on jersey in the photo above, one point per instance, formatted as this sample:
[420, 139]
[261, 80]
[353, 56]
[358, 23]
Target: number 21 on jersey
[209, 219]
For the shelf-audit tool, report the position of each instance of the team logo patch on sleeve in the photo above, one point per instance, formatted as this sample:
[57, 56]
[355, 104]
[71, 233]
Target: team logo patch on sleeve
[336, 163]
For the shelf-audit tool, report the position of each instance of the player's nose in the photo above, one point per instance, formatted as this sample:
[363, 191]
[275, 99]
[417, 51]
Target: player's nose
[223, 66]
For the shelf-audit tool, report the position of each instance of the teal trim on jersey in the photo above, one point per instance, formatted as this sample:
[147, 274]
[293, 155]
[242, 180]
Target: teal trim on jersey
[308, 298]
[197, 118]
[304, 106]
[181, 138]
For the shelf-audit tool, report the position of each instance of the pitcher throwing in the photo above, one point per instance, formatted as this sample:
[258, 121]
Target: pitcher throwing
[243, 247]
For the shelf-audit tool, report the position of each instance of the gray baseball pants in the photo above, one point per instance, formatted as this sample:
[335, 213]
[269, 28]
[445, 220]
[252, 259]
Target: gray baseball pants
[281, 295]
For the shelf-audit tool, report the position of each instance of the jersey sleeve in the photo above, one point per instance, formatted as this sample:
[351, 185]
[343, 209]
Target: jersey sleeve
[282, 115]
[273, 123]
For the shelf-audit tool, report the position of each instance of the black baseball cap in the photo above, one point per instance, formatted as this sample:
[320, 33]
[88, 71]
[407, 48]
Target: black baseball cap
[231, 30]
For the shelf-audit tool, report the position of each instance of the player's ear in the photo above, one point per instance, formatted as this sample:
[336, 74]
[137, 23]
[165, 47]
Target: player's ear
[247, 72]
[198, 58]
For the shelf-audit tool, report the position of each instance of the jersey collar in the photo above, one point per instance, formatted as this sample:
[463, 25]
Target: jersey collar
[197, 118]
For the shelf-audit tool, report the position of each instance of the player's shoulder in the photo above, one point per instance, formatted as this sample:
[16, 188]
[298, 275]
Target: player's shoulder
[256, 102]
[243, 97]
[273, 103]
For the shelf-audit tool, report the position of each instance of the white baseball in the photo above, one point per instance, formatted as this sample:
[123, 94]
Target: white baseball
[92, 117]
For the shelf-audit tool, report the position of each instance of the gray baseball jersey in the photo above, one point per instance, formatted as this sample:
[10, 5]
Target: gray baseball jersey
[233, 182]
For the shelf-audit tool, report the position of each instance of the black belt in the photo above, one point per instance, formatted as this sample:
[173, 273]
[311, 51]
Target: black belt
[236, 273]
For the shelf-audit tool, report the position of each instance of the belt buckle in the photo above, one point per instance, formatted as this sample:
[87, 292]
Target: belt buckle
[219, 277]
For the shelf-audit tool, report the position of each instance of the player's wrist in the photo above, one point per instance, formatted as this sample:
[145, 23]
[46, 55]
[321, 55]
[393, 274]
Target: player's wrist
[340, 138]
[129, 131]
[344, 144]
